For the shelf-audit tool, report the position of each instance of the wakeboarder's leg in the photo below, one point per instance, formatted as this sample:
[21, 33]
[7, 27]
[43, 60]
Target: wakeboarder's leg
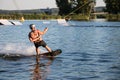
[48, 49]
[37, 51]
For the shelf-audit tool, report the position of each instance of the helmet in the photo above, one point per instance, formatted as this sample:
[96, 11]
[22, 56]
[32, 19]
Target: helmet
[31, 25]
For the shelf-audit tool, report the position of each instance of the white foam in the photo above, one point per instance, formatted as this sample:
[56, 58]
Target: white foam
[46, 22]
[62, 22]
[19, 48]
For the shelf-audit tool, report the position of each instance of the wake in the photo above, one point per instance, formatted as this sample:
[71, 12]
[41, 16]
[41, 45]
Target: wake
[17, 50]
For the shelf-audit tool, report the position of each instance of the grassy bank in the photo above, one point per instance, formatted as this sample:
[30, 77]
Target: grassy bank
[28, 16]
[113, 17]
[41, 16]
[80, 17]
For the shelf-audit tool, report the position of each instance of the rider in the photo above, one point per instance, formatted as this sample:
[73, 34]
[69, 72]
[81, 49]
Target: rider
[35, 36]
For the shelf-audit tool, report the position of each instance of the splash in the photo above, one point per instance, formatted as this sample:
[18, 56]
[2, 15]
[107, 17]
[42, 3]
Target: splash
[62, 22]
[18, 49]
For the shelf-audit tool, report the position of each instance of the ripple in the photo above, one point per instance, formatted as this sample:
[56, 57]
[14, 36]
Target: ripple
[115, 67]
[2, 71]
[90, 52]
[104, 61]
[82, 59]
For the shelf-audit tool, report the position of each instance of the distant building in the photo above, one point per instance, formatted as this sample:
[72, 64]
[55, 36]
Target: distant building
[52, 11]
[99, 9]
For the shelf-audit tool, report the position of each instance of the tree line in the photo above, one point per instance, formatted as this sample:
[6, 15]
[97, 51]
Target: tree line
[112, 6]
[67, 6]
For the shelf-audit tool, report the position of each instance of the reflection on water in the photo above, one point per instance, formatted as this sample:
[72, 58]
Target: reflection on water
[41, 70]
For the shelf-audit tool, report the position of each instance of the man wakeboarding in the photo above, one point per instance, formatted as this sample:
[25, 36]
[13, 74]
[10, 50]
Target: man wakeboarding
[35, 36]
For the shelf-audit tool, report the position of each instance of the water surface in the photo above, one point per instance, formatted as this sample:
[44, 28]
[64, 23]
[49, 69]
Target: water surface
[90, 51]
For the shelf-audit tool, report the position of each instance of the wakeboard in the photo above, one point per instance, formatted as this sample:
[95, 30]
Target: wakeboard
[52, 54]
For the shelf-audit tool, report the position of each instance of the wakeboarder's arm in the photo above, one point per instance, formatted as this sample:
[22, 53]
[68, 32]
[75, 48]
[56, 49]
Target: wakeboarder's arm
[31, 38]
[43, 32]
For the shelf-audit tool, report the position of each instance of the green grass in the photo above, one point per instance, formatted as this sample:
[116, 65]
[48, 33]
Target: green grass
[113, 17]
[80, 17]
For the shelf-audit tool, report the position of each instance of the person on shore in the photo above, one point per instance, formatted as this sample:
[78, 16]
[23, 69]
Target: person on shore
[35, 36]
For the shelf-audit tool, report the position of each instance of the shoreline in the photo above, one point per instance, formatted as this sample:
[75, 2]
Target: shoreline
[78, 17]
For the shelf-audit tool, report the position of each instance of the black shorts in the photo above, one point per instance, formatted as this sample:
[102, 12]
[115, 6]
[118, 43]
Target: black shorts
[40, 43]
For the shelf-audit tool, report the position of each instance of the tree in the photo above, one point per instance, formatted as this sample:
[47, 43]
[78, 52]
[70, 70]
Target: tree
[76, 6]
[112, 6]
[85, 6]
[64, 6]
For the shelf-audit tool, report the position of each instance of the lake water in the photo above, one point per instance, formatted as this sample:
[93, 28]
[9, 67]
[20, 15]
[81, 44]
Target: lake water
[90, 51]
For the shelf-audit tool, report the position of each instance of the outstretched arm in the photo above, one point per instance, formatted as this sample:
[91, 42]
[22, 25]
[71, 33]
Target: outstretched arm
[43, 32]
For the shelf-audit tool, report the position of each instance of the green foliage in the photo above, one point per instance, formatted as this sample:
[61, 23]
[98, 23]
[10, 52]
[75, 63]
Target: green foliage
[82, 9]
[68, 6]
[113, 17]
[112, 6]
[80, 17]
[28, 16]
[64, 6]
